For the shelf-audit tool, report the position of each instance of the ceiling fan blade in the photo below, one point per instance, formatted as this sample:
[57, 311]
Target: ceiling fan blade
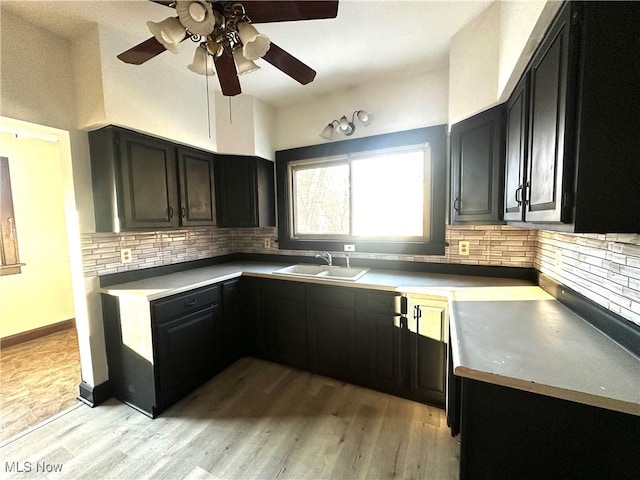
[289, 64]
[260, 11]
[166, 3]
[142, 52]
[227, 75]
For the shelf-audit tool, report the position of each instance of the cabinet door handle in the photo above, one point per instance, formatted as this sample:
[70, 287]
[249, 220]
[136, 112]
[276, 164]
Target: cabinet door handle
[184, 212]
[456, 204]
[527, 193]
[190, 302]
[519, 200]
[170, 212]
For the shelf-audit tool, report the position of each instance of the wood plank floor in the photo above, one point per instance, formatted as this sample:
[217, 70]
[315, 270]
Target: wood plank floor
[38, 379]
[254, 420]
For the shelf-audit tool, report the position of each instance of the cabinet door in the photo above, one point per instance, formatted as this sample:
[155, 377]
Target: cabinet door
[548, 164]
[253, 311]
[378, 337]
[234, 325]
[285, 309]
[197, 205]
[236, 191]
[187, 352]
[477, 156]
[427, 353]
[148, 180]
[516, 151]
[331, 320]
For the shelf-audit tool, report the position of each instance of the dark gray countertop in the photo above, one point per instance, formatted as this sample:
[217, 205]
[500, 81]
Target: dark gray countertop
[522, 337]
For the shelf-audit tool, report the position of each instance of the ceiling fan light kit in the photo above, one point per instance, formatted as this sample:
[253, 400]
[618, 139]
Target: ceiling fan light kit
[197, 17]
[202, 63]
[243, 64]
[346, 127]
[169, 32]
[227, 40]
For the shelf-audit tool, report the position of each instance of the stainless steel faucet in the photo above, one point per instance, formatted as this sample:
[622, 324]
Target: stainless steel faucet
[326, 256]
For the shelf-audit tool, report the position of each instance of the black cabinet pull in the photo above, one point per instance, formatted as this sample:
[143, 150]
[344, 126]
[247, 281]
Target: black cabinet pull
[191, 301]
[184, 212]
[456, 204]
[170, 212]
[519, 200]
[527, 193]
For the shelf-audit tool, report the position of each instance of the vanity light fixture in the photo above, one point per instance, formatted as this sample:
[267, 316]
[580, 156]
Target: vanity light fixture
[345, 126]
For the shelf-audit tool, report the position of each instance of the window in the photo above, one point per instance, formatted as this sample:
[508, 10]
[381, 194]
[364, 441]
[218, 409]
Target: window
[380, 199]
[9, 246]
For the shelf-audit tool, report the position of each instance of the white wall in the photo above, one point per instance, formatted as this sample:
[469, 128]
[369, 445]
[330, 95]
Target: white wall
[522, 26]
[473, 65]
[37, 93]
[398, 104]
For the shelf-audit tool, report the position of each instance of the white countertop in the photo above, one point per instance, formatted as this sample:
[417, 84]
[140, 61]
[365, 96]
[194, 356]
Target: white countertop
[522, 337]
[504, 331]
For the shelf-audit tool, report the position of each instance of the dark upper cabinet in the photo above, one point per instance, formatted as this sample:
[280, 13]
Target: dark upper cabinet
[549, 170]
[197, 191]
[516, 150]
[580, 159]
[245, 191]
[141, 182]
[477, 166]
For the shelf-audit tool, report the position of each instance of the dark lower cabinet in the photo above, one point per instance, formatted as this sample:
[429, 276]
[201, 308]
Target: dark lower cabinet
[161, 350]
[235, 330]
[378, 341]
[345, 333]
[508, 433]
[427, 352]
[188, 352]
[332, 336]
[286, 319]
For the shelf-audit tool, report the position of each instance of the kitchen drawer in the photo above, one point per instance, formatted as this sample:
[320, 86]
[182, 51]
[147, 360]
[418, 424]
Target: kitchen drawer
[378, 302]
[184, 303]
[331, 296]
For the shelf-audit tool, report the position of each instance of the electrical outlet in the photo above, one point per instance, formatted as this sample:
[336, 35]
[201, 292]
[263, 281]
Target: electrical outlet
[267, 243]
[349, 248]
[125, 255]
[463, 248]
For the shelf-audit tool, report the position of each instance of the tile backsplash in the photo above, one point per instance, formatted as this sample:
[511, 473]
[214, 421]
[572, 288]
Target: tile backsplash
[604, 268]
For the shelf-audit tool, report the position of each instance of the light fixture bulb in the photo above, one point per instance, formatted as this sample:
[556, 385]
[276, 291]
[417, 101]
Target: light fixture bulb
[243, 65]
[255, 44]
[327, 133]
[169, 32]
[365, 117]
[345, 126]
[202, 63]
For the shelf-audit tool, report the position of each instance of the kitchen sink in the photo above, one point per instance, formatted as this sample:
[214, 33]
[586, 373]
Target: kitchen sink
[327, 272]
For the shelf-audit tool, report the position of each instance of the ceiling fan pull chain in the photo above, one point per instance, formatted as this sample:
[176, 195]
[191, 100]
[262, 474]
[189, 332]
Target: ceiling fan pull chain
[230, 119]
[206, 76]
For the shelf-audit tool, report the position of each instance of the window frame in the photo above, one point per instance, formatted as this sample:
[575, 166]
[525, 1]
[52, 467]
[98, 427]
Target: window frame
[434, 136]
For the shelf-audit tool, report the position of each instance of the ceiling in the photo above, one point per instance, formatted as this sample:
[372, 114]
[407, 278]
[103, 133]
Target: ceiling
[369, 41]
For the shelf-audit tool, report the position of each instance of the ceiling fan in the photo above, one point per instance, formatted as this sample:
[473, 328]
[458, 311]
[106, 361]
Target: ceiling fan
[227, 40]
